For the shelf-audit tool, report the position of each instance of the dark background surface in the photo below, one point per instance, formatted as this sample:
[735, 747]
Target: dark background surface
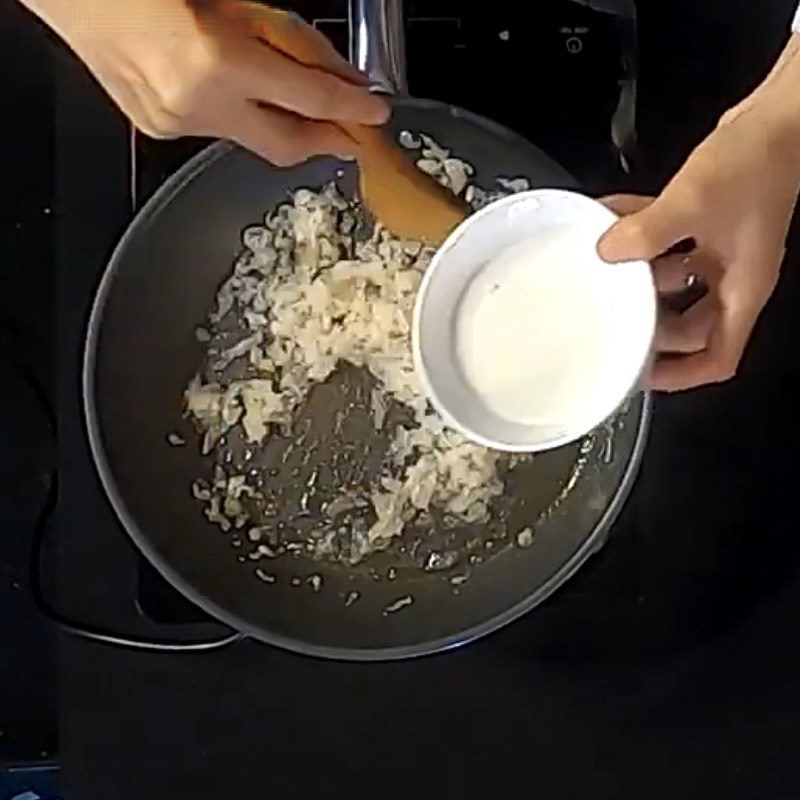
[27, 325]
[669, 667]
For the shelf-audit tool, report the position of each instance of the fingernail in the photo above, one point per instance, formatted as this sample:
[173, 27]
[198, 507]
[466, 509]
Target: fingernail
[345, 157]
[356, 75]
[380, 110]
[360, 77]
[605, 249]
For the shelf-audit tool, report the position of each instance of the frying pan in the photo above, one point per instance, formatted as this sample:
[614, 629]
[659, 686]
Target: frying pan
[141, 351]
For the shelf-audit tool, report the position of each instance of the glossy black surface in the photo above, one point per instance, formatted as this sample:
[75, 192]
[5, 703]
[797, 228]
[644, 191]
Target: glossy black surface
[669, 668]
[458, 54]
[450, 48]
[140, 347]
[28, 705]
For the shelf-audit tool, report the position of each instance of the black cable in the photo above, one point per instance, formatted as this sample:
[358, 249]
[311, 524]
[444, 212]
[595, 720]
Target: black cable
[94, 633]
[80, 629]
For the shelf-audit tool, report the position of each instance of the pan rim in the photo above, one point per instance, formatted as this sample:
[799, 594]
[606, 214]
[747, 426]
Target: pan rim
[591, 545]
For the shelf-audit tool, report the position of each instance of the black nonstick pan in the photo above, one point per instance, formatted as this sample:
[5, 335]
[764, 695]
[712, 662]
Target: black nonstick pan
[141, 352]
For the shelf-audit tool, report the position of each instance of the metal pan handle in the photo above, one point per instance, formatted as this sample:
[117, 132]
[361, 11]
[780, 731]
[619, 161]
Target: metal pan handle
[377, 43]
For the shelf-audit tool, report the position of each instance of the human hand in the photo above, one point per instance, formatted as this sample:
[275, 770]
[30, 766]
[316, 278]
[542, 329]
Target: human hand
[200, 67]
[734, 198]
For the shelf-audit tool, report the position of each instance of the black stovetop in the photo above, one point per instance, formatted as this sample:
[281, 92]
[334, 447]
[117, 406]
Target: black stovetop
[575, 42]
[28, 699]
[627, 656]
[637, 604]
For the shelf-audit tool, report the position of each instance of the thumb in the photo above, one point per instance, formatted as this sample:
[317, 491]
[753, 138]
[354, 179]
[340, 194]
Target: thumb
[645, 235]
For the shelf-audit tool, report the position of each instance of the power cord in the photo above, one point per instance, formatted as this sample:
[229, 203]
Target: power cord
[45, 517]
[95, 633]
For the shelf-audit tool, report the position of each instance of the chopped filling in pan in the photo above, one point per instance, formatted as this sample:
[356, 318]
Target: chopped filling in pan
[320, 297]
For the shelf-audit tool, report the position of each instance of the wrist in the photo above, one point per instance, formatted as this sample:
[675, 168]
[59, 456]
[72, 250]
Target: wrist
[775, 107]
[59, 15]
[781, 125]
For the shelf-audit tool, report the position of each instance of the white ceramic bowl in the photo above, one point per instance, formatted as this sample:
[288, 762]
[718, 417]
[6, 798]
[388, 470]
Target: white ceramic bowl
[626, 299]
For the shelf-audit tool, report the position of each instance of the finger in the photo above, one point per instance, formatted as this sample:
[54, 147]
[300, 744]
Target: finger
[272, 78]
[683, 372]
[716, 364]
[284, 139]
[688, 332]
[742, 293]
[624, 204]
[646, 234]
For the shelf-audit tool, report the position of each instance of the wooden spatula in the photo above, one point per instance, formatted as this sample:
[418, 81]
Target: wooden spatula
[410, 203]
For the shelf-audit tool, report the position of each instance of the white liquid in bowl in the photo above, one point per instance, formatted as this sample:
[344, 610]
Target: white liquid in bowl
[545, 329]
